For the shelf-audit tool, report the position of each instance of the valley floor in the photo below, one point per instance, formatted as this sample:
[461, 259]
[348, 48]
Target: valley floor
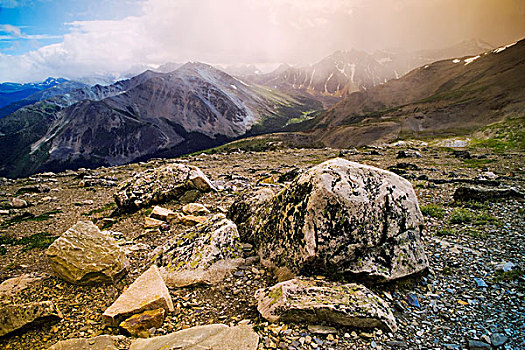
[465, 244]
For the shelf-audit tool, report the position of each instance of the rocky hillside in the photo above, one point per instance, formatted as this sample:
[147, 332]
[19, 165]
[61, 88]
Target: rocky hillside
[450, 97]
[265, 250]
[152, 114]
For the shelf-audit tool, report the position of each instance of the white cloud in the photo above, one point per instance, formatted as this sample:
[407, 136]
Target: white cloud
[238, 31]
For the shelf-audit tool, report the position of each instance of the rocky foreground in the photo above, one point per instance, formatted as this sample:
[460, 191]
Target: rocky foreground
[264, 250]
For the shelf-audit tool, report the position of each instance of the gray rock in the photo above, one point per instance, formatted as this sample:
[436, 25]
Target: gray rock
[481, 194]
[85, 255]
[215, 336]
[18, 203]
[204, 254]
[159, 185]
[102, 342]
[148, 292]
[17, 316]
[313, 301]
[498, 339]
[478, 345]
[339, 217]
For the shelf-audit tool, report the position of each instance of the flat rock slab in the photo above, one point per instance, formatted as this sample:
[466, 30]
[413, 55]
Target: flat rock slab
[215, 336]
[195, 209]
[85, 255]
[102, 342]
[314, 301]
[17, 316]
[204, 254]
[159, 185]
[15, 285]
[148, 292]
[164, 214]
[338, 217]
[481, 194]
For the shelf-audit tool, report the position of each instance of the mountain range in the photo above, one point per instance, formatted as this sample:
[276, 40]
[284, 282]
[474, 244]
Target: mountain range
[197, 106]
[152, 114]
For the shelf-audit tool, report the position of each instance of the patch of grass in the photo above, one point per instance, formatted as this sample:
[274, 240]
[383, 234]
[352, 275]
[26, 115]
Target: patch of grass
[511, 275]
[477, 162]
[472, 204]
[433, 210]
[40, 240]
[444, 232]
[45, 216]
[106, 207]
[506, 135]
[485, 218]
[476, 233]
[29, 217]
[460, 216]
[148, 211]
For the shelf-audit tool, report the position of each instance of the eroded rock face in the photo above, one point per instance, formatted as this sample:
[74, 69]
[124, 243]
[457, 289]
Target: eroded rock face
[205, 253]
[214, 336]
[148, 292]
[314, 301]
[16, 316]
[159, 185]
[340, 217]
[86, 255]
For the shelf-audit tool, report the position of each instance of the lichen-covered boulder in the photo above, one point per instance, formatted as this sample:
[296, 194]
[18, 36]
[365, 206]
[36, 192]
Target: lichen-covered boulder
[314, 301]
[159, 185]
[204, 254]
[248, 211]
[17, 316]
[85, 255]
[213, 336]
[342, 218]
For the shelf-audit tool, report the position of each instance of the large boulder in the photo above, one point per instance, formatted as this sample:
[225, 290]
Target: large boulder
[85, 255]
[17, 316]
[148, 292]
[159, 185]
[341, 218]
[214, 336]
[204, 254]
[314, 301]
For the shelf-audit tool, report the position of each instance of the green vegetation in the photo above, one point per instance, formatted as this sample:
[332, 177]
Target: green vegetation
[444, 232]
[508, 134]
[29, 217]
[106, 207]
[40, 240]
[433, 210]
[465, 216]
[477, 163]
[511, 275]
[460, 216]
[472, 204]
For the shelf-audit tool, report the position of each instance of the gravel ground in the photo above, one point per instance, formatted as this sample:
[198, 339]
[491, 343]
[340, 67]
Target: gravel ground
[463, 298]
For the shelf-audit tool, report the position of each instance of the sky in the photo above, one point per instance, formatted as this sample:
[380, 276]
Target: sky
[76, 38]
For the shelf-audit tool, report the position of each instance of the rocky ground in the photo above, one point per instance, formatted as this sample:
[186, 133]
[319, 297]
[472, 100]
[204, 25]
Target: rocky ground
[466, 300]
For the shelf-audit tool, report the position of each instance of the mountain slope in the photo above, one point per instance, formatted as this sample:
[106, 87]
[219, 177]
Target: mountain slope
[447, 97]
[153, 114]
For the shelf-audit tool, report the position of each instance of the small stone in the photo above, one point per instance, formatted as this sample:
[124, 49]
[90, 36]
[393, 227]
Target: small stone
[18, 203]
[195, 209]
[413, 300]
[480, 283]
[318, 329]
[396, 344]
[478, 345]
[162, 214]
[141, 323]
[191, 220]
[152, 223]
[498, 339]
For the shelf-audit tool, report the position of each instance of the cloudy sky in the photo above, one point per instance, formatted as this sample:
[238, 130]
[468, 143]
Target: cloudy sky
[74, 38]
